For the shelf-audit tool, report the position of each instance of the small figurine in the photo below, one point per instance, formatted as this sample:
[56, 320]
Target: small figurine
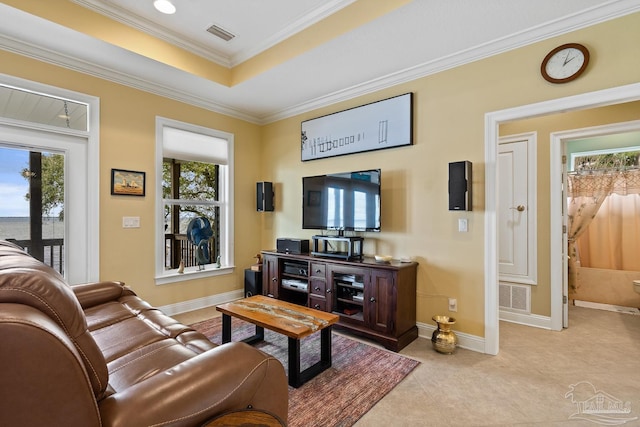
[218, 262]
[258, 265]
[181, 267]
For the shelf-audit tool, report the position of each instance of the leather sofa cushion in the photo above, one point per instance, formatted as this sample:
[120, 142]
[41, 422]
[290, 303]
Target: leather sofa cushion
[138, 341]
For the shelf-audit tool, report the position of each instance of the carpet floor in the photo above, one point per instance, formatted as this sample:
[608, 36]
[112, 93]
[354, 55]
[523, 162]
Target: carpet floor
[359, 377]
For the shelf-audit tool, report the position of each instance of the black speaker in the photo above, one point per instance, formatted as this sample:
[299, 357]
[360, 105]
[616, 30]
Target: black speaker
[264, 196]
[252, 283]
[292, 246]
[460, 186]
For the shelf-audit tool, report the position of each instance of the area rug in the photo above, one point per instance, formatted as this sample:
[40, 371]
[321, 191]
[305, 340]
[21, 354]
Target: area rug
[359, 377]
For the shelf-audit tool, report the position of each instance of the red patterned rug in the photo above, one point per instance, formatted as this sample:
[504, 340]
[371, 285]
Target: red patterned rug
[359, 377]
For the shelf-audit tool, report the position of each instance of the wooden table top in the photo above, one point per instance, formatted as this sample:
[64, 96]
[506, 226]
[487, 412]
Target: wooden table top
[292, 320]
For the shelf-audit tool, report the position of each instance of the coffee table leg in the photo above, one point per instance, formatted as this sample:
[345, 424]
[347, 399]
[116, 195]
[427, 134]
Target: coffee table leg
[297, 378]
[294, 363]
[226, 328]
[325, 347]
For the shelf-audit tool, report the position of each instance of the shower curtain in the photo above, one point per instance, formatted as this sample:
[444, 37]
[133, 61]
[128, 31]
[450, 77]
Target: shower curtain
[587, 191]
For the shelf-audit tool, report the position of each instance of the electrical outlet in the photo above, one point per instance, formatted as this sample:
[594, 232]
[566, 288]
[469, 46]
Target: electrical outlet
[463, 225]
[453, 304]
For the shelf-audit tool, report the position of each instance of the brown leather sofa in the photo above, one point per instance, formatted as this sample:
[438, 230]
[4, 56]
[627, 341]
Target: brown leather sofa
[98, 355]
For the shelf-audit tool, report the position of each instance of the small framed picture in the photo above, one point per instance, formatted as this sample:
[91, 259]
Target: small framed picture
[127, 183]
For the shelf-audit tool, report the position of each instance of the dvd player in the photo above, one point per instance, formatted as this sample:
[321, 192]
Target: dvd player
[297, 285]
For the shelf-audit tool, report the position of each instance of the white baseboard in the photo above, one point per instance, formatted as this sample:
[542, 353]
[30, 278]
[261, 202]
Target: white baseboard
[527, 319]
[204, 302]
[467, 341]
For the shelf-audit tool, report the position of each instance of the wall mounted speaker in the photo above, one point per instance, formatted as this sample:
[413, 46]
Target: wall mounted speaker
[264, 196]
[460, 186]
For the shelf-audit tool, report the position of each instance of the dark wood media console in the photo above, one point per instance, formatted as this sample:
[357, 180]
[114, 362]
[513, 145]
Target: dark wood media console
[375, 300]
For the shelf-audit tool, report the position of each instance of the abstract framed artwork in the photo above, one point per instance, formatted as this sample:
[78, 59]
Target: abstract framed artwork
[383, 124]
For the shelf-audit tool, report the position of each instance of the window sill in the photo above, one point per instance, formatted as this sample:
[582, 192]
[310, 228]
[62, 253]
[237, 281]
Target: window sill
[173, 276]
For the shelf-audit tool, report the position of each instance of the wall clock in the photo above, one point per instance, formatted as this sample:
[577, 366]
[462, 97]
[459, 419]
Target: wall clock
[565, 63]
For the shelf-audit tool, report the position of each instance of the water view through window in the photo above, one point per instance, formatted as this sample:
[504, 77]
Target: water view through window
[32, 202]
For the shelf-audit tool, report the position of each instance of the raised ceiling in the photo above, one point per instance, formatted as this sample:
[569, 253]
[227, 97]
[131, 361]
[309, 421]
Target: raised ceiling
[288, 56]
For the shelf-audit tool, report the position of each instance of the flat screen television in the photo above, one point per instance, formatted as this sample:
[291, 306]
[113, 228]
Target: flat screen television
[348, 201]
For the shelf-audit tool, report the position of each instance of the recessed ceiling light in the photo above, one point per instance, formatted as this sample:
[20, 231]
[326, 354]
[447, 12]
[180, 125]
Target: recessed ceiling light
[164, 6]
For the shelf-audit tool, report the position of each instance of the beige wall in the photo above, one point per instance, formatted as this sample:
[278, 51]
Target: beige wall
[544, 127]
[127, 141]
[449, 109]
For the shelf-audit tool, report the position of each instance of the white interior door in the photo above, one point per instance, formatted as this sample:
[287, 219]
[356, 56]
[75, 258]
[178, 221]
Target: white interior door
[516, 209]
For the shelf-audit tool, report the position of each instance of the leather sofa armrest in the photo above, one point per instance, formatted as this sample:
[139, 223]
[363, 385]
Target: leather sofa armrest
[95, 293]
[43, 380]
[229, 377]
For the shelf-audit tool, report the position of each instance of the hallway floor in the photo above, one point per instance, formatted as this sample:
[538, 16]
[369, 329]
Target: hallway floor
[526, 383]
[530, 381]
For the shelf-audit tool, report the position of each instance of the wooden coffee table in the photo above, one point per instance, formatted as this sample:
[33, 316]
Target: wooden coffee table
[292, 320]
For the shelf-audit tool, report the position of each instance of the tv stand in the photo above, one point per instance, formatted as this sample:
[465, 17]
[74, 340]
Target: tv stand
[375, 300]
[347, 248]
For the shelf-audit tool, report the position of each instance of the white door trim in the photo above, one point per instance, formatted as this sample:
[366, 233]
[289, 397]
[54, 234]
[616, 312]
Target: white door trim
[493, 119]
[91, 191]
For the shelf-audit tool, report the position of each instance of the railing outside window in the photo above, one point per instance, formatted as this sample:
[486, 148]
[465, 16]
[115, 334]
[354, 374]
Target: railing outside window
[178, 248]
[53, 252]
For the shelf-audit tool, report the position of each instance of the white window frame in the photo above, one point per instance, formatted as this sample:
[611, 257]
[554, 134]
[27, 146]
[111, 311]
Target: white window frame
[226, 192]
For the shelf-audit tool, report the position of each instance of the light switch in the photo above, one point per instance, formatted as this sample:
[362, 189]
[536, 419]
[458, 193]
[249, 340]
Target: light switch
[462, 225]
[130, 222]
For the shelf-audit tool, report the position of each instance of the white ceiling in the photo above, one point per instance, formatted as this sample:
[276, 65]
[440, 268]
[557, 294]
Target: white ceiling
[420, 38]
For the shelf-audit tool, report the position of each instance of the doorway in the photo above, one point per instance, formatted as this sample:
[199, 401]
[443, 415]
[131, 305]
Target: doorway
[558, 168]
[80, 148]
[601, 98]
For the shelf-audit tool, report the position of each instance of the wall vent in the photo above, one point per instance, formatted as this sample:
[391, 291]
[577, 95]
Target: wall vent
[515, 297]
[221, 33]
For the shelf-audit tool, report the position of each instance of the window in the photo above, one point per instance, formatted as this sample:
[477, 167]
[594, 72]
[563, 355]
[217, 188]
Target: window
[194, 190]
[612, 158]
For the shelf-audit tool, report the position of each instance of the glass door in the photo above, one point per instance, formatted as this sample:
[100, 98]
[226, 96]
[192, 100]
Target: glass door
[32, 210]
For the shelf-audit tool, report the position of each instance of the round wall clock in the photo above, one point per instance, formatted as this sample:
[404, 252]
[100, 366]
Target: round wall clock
[565, 63]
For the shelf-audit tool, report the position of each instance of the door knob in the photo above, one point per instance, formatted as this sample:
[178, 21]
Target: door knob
[519, 208]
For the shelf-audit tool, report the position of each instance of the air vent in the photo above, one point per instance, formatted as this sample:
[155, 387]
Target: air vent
[515, 297]
[220, 32]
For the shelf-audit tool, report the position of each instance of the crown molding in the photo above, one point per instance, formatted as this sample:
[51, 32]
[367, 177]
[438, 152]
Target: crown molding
[121, 15]
[139, 23]
[75, 64]
[329, 8]
[177, 91]
[595, 15]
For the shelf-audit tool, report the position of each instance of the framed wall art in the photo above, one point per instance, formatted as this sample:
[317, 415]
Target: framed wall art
[127, 183]
[376, 126]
